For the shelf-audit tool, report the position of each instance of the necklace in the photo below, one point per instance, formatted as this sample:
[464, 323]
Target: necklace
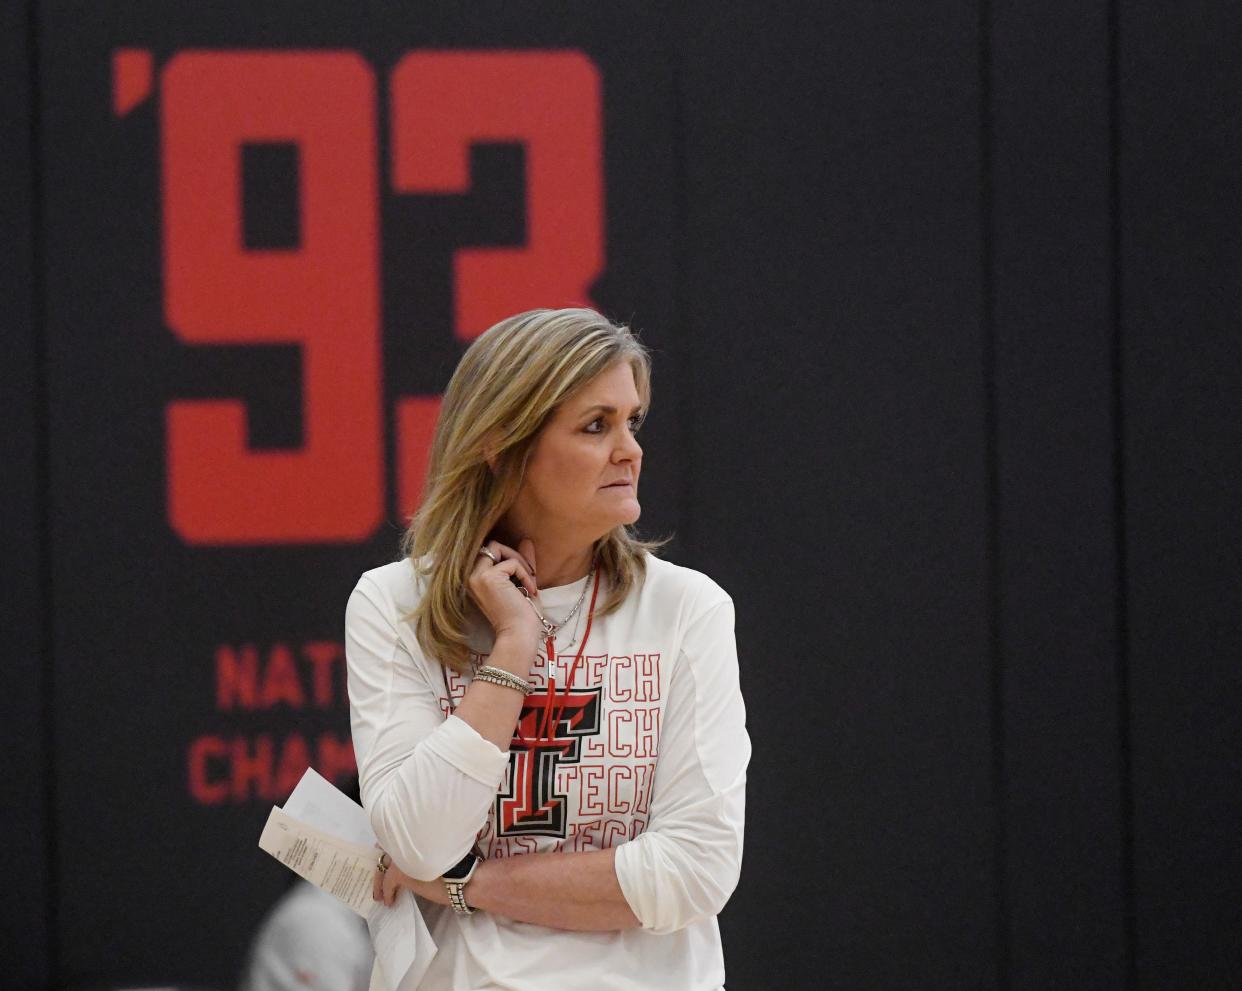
[575, 611]
[550, 628]
[577, 626]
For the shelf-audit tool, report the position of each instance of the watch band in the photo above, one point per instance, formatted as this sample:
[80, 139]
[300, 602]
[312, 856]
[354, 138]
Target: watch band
[455, 883]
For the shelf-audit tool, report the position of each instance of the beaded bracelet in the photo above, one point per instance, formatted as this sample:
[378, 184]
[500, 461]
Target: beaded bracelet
[505, 679]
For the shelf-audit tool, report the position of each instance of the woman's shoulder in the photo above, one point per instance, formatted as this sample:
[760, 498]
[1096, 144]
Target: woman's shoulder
[676, 582]
[399, 583]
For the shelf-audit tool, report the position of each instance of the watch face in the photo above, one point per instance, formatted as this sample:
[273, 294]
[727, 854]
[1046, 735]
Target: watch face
[462, 868]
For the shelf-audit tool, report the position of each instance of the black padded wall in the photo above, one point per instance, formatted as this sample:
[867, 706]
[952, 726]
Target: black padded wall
[1180, 147]
[832, 176]
[1061, 743]
[27, 912]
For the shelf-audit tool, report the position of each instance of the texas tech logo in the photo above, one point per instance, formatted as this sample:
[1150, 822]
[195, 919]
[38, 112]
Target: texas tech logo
[549, 733]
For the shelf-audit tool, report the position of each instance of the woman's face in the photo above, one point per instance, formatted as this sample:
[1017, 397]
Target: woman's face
[582, 475]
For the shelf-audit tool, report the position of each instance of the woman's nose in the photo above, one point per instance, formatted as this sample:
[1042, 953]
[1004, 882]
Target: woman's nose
[628, 449]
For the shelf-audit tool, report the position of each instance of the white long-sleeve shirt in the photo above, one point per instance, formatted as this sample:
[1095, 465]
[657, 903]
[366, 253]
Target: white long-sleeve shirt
[648, 755]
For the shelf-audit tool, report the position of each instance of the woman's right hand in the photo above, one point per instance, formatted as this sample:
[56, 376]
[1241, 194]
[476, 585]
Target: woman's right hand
[499, 599]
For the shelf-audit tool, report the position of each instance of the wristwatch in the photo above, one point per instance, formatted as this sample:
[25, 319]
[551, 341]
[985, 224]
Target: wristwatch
[455, 879]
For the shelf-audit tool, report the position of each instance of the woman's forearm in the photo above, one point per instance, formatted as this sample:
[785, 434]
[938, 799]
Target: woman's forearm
[577, 891]
[493, 710]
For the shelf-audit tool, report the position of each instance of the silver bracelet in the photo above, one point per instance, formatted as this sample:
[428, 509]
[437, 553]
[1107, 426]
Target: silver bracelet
[505, 679]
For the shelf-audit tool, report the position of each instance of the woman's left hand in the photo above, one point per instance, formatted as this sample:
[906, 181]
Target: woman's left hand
[385, 885]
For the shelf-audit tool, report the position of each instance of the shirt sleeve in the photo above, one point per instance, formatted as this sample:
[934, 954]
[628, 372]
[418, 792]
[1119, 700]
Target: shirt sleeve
[427, 782]
[686, 863]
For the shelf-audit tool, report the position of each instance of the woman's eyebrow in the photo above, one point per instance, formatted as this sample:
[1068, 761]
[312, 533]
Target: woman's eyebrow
[607, 409]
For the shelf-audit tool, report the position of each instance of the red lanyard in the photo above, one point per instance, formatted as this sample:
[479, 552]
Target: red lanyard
[550, 721]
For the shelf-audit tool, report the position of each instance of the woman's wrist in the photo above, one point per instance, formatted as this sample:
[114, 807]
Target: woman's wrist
[513, 651]
[475, 891]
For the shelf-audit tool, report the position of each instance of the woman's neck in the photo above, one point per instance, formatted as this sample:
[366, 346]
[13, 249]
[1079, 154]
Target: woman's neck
[569, 568]
[557, 561]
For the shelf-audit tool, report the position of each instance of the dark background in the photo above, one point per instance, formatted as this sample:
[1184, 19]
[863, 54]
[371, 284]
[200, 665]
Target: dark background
[944, 299]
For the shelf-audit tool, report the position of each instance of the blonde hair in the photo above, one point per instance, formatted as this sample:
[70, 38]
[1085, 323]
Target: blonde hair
[508, 384]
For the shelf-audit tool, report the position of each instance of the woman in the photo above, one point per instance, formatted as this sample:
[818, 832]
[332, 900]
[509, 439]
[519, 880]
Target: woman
[541, 708]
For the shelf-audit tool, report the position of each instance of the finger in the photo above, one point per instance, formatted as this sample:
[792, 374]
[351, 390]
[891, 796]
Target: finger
[390, 890]
[497, 554]
[377, 885]
[522, 574]
[505, 552]
[527, 548]
[513, 567]
[484, 561]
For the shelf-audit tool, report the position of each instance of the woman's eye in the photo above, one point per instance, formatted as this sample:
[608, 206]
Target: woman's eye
[598, 425]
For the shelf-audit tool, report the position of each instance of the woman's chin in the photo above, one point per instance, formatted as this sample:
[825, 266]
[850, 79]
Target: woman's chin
[621, 516]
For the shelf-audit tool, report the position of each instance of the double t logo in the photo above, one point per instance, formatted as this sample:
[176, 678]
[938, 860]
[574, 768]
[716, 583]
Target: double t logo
[548, 732]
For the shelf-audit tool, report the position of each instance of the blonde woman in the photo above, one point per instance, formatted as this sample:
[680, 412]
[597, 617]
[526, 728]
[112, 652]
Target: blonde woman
[547, 718]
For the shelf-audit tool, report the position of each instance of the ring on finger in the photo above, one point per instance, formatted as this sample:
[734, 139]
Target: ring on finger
[484, 550]
[382, 865]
